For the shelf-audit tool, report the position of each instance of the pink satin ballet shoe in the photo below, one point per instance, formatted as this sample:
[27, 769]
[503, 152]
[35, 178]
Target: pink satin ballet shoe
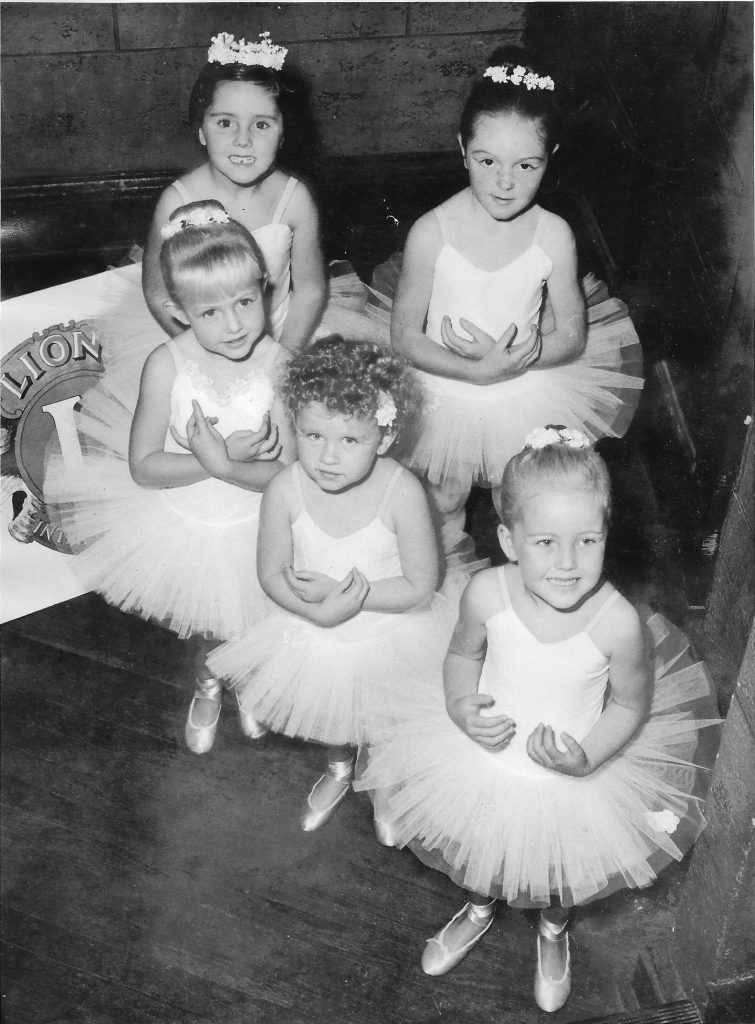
[384, 833]
[250, 726]
[314, 817]
[552, 993]
[200, 738]
[438, 958]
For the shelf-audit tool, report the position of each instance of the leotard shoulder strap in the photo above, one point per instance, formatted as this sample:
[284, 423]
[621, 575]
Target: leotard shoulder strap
[182, 190]
[503, 586]
[298, 491]
[442, 218]
[609, 601]
[280, 209]
[390, 488]
[176, 356]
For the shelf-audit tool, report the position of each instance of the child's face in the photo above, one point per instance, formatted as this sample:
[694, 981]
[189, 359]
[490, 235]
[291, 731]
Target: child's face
[335, 450]
[228, 321]
[506, 158]
[559, 541]
[242, 129]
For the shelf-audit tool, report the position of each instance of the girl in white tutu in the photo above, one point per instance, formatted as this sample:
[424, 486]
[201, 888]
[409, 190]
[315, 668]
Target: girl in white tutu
[241, 106]
[468, 309]
[238, 109]
[347, 552]
[162, 508]
[561, 767]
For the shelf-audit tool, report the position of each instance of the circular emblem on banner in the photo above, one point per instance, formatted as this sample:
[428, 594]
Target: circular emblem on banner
[41, 383]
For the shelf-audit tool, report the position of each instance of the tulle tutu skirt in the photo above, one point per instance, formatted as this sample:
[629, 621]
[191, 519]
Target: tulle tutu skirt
[343, 684]
[182, 556]
[526, 837]
[466, 433]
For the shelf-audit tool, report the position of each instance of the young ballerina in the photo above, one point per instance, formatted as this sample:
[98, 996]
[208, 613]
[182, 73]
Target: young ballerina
[347, 551]
[468, 309]
[238, 108]
[559, 769]
[162, 506]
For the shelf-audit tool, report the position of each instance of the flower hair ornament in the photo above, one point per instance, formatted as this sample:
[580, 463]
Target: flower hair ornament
[194, 219]
[543, 437]
[519, 75]
[227, 50]
[386, 410]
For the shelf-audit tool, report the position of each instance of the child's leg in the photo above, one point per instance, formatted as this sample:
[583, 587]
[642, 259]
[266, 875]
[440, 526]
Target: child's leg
[330, 789]
[448, 503]
[452, 943]
[204, 711]
[206, 704]
[553, 976]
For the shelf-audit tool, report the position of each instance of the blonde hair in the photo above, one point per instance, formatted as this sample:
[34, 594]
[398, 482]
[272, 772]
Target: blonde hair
[203, 250]
[557, 467]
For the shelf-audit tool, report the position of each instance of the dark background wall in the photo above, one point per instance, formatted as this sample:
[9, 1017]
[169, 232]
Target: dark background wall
[103, 88]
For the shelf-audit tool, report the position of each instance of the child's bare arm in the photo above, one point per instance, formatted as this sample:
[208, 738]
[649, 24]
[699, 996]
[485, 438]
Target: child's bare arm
[308, 283]
[153, 285]
[567, 341]
[417, 551]
[463, 667]
[150, 464]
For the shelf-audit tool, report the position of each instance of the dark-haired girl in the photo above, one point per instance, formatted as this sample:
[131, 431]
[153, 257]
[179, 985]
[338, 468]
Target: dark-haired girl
[468, 309]
[237, 108]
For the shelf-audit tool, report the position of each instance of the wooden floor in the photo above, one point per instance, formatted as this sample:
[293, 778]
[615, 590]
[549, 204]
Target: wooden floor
[143, 883]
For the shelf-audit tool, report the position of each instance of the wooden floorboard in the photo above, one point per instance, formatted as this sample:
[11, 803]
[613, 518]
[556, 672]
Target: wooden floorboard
[144, 883]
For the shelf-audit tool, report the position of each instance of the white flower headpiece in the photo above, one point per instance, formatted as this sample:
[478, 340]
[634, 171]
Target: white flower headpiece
[386, 410]
[194, 219]
[227, 50]
[519, 75]
[542, 437]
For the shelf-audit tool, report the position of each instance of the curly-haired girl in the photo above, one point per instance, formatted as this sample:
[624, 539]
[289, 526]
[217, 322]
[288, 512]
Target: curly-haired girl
[347, 551]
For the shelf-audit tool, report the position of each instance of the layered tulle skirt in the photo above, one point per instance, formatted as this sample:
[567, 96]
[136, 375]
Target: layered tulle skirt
[184, 556]
[466, 433]
[343, 684]
[526, 836]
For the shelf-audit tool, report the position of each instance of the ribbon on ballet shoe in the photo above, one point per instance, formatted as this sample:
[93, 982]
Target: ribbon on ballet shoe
[438, 958]
[200, 738]
[314, 817]
[552, 993]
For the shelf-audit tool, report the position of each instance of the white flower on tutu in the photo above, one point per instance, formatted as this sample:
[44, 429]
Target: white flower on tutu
[542, 437]
[663, 821]
[386, 410]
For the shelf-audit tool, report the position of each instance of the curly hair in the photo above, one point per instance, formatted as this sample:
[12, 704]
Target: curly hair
[198, 254]
[347, 376]
[556, 467]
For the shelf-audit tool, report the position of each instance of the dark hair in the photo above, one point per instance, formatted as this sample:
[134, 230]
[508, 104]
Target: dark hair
[491, 98]
[199, 252]
[300, 147]
[347, 378]
[557, 467]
